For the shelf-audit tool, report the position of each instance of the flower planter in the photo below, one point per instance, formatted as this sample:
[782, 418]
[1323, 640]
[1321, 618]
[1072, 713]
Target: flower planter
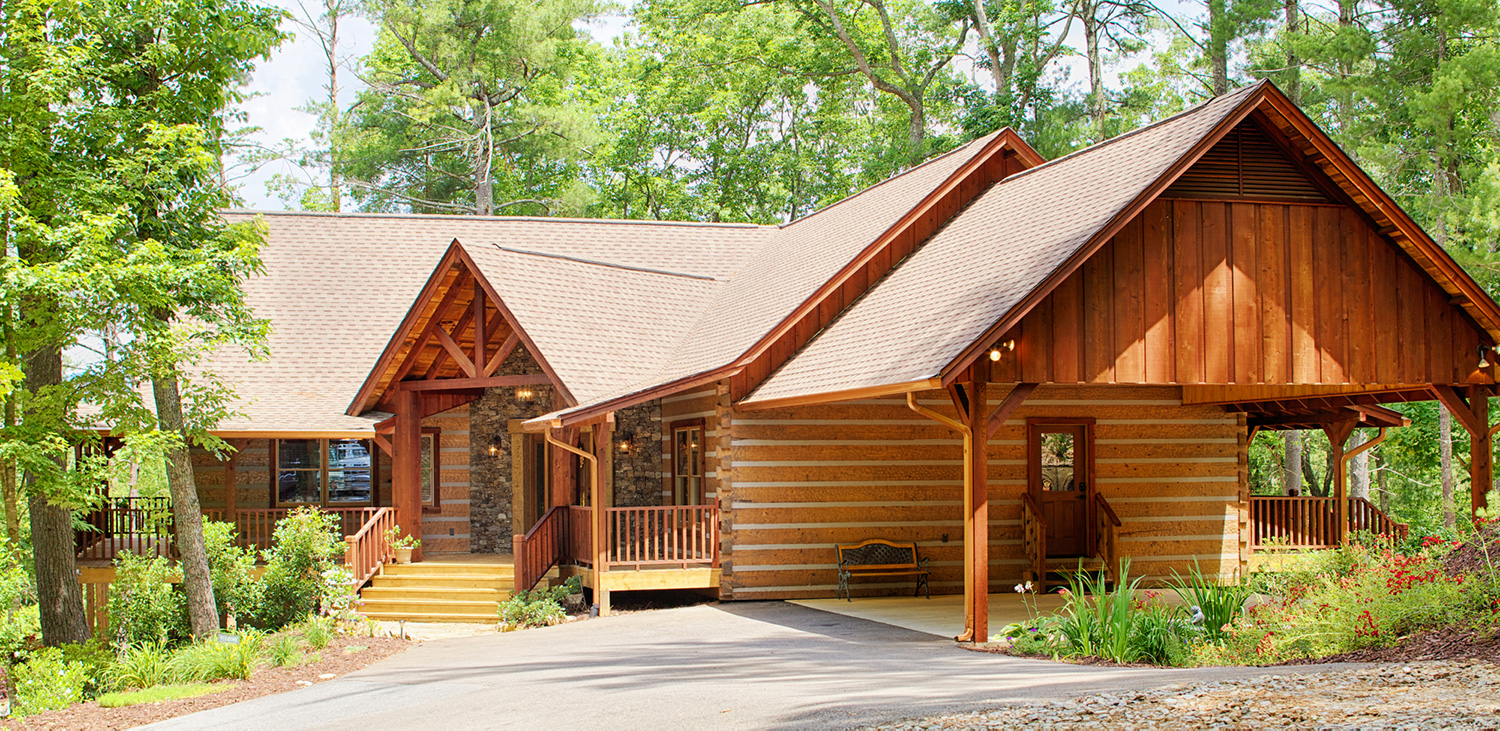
[403, 555]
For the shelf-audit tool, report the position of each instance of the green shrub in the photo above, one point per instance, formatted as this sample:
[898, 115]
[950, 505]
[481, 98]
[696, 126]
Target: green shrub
[20, 629]
[236, 590]
[1096, 622]
[143, 606]
[20, 623]
[1220, 604]
[157, 694]
[211, 660]
[96, 658]
[307, 544]
[284, 652]
[48, 681]
[317, 631]
[141, 666]
[538, 607]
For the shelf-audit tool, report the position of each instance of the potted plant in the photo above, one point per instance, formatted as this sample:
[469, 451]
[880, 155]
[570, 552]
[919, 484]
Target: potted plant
[402, 545]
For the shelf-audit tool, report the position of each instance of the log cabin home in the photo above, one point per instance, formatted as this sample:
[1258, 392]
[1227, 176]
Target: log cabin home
[1014, 363]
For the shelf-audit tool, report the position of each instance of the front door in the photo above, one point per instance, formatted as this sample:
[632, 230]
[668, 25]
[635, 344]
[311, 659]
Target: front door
[1060, 481]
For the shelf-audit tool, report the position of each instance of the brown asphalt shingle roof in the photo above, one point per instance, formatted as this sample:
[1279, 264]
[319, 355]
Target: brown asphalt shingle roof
[337, 285]
[1007, 242]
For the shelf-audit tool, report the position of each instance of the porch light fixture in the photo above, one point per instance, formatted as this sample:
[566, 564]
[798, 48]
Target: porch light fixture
[626, 446]
[525, 395]
[1006, 345]
[1483, 362]
[494, 448]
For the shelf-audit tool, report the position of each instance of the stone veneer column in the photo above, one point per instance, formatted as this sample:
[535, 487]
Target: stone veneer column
[491, 523]
[638, 472]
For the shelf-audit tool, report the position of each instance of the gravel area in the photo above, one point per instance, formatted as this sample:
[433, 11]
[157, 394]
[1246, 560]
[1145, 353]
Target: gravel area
[1446, 694]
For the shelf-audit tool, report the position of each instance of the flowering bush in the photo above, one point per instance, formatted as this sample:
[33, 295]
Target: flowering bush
[1351, 598]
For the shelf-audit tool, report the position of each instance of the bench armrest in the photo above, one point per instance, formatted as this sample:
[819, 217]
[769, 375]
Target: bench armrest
[923, 564]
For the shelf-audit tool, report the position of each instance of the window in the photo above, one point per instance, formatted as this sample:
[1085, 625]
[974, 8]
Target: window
[687, 464]
[324, 472]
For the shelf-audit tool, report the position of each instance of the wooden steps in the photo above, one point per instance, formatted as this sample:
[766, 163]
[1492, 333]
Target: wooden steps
[438, 591]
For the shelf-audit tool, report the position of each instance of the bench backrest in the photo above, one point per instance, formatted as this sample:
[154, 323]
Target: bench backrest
[878, 553]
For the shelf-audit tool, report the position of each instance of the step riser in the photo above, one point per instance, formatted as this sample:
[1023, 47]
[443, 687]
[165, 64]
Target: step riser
[422, 569]
[391, 593]
[418, 608]
[437, 583]
[455, 618]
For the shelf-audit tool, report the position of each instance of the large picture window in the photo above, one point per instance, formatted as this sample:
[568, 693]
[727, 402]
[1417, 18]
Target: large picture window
[324, 472]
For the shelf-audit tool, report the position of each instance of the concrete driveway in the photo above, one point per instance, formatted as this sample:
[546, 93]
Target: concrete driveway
[738, 665]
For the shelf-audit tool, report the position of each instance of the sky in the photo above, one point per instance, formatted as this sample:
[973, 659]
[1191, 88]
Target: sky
[295, 74]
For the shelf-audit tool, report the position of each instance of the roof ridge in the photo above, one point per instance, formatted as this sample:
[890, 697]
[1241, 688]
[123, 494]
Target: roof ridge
[890, 178]
[611, 265]
[1104, 143]
[507, 219]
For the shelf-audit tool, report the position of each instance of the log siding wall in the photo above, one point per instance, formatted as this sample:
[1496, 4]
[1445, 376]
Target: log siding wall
[807, 478]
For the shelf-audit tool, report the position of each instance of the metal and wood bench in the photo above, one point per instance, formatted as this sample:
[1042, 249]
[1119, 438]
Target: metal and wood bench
[877, 557]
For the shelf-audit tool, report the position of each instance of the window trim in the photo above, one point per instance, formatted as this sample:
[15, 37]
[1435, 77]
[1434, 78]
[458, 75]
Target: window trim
[324, 445]
[672, 428]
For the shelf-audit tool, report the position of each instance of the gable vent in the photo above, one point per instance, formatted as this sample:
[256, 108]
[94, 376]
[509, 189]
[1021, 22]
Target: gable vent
[1245, 164]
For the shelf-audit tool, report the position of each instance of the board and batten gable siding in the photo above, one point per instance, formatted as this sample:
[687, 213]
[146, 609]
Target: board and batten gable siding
[1220, 292]
[807, 478]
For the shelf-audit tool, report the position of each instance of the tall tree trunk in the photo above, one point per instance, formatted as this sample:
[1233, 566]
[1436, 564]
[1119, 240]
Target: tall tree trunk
[8, 491]
[1091, 31]
[916, 132]
[1382, 483]
[1292, 477]
[1218, 45]
[1347, 11]
[59, 597]
[1293, 61]
[186, 513]
[335, 185]
[1445, 464]
[484, 180]
[1359, 478]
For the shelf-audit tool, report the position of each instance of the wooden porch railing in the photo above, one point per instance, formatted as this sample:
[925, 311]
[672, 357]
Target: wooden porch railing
[578, 540]
[542, 547]
[672, 535]
[1308, 522]
[257, 526]
[1366, 516]
[368, 549]
[1107, 536]
[1034, 541]
[141, 525]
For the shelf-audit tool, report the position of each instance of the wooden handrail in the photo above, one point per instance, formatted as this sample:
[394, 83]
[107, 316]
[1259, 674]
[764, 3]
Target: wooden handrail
[368, 549]
[1034, 540]
[1312, 522]
[1107, 535]
[541, 548]
[1104, 507]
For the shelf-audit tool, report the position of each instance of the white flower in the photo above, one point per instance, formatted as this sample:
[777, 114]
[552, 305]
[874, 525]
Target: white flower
[1020, 588]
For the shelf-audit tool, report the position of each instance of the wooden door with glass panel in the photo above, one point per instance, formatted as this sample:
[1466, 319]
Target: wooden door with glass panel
[687, 464]
[1060, 477]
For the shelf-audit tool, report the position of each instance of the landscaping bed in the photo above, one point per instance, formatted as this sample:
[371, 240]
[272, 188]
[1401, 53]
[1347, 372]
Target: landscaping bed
[342, 655]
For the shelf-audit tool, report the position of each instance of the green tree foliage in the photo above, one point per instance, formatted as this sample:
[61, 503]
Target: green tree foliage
[473, 106]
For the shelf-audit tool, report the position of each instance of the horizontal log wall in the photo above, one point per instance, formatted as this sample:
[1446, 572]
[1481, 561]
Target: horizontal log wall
[1221, 292]
[807, 478]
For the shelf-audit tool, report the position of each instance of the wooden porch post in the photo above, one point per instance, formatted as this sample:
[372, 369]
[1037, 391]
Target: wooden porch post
[1338, 433]
[406, 465]
[601, 494]
[979, 502]
[1481, 451]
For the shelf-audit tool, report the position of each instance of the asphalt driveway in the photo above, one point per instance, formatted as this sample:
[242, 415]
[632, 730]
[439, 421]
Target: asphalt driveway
[738, 665]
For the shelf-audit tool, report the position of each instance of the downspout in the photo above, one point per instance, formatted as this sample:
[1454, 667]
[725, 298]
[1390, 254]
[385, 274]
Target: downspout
[596, 540]
[911, 401]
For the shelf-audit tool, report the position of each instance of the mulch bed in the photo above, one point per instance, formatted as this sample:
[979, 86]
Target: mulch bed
[1448, 643]
[265, 681]
[1474, 556]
